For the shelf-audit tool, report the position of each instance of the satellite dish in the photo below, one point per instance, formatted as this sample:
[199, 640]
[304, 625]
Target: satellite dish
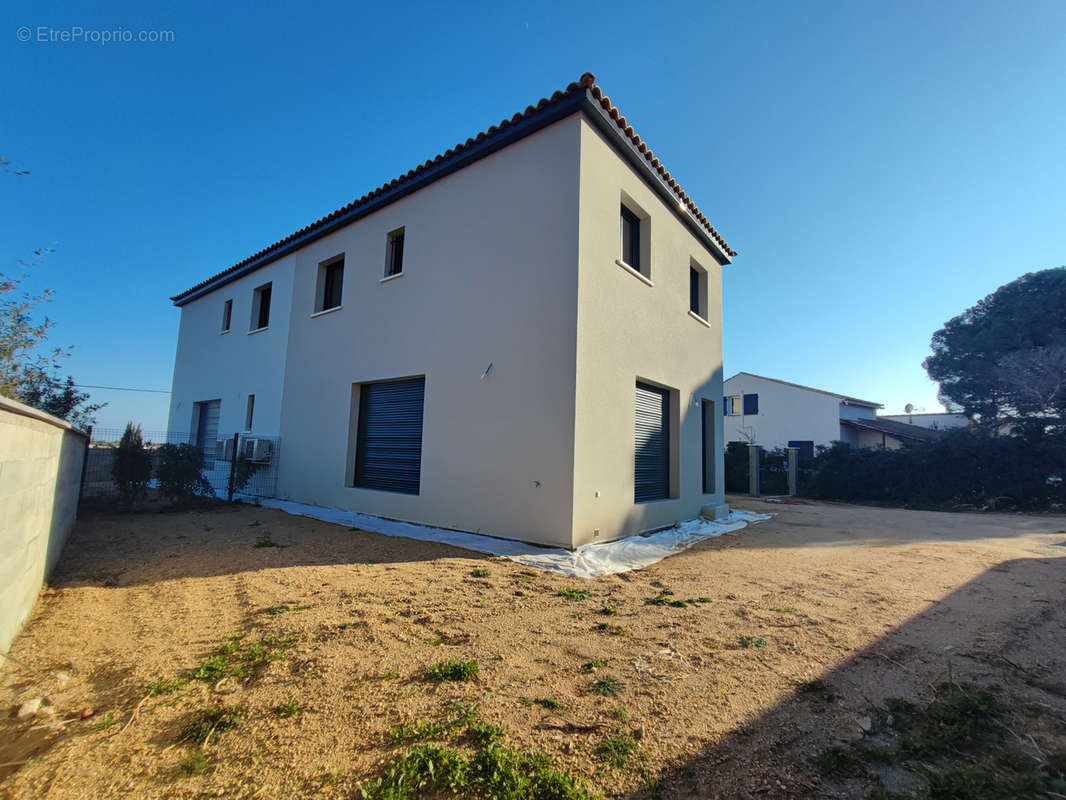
[907, 409]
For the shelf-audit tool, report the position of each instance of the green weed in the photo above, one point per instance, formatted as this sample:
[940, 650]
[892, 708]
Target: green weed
[211, 720]
[591, 665]
[452, 670]
[157, 686]
[480, 572]
[615, 750]
[573, 594]
[195, 763]
[608, 686]
[752, 641]
[290, 708]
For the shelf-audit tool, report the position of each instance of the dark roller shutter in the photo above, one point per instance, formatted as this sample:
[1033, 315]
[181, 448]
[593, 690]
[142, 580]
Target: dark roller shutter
[207, 430]
[389, 447]
[652, 476]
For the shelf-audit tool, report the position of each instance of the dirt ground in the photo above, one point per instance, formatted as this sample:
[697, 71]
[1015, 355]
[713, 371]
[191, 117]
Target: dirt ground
[875, 602]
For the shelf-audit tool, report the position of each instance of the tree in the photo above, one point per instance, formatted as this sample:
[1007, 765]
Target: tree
[1004, 360]
[29, 373]
[132, 465]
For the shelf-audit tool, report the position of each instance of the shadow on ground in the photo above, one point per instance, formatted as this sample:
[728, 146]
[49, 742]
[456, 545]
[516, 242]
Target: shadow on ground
[144, 547]
[1005, 631]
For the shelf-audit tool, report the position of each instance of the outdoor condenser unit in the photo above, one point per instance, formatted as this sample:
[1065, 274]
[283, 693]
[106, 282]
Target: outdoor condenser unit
[256, 449]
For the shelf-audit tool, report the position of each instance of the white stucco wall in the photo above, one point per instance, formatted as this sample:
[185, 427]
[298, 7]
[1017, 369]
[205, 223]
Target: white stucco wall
[786, 413]
[490, 276]
[40, 473]
[212, 365]
[629, 331]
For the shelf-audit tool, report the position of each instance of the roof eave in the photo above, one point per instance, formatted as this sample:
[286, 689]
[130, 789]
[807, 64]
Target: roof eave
[577, 101]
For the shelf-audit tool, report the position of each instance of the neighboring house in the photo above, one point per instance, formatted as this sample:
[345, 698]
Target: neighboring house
[521, 337]
[937, 420]
[774, 413]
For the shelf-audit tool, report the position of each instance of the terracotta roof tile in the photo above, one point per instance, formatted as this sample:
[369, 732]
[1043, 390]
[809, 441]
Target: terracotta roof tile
[586, 83]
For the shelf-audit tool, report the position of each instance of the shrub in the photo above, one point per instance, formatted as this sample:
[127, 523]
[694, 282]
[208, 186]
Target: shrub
[243, 472]
[453, 670]
[180, 472]
[131, 467]
[960, 468]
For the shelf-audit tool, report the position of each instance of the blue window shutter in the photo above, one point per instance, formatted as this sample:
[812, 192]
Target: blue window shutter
[725, 406]
[751, 404]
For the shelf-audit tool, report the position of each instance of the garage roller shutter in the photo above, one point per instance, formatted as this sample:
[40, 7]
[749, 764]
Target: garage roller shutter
[389, 448]
[652, 476]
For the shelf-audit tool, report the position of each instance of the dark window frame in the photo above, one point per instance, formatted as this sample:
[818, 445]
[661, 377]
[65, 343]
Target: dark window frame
[332, 279]
[249, 412]
[227, 315]
[394, 253]
[694, 290]
[630, 255]
[261, 306]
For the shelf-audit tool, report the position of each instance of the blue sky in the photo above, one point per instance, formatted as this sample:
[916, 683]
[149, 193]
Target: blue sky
[879, 167]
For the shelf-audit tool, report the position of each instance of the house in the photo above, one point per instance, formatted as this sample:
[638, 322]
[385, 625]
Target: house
[775, 413]
[937, 420]
[520, 337]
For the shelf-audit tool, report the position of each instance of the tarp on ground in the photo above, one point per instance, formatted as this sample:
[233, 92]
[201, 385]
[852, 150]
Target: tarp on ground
[587, 561]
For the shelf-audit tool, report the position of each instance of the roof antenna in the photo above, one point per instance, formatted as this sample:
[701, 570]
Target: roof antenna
[486, 372]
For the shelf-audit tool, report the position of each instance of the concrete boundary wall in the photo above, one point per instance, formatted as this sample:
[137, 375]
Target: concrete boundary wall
[41, 460]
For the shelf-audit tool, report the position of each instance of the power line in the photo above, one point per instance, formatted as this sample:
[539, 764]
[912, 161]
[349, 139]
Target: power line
[119, 388]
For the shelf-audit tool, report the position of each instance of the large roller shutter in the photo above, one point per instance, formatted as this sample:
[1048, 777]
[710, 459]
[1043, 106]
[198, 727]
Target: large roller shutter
[389, 447]
[652, 475]
[207, 429]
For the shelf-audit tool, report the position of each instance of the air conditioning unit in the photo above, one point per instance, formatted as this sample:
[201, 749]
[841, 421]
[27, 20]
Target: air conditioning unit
[225, 447]
[257, 450]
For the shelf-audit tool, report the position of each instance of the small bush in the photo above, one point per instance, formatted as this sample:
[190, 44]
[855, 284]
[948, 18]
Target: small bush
[480, 572]
[453, 670]
[243, 471]
[591, 665]
[195, 763]
[158, 686]
[752, 641]
[181, 472]
[131, 467]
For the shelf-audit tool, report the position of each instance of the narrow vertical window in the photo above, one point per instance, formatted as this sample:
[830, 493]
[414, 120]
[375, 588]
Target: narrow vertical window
[394, 253]
[693, 290]
[330, 284]
[227, 314]
[249, 412]
[261, 307]
[630, 233]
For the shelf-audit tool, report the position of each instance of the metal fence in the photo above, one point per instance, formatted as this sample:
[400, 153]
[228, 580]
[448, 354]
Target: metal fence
[250, 461]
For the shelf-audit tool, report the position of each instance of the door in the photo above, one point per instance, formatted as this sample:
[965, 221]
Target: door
[388, 452]
[652, 443]
[207, 429]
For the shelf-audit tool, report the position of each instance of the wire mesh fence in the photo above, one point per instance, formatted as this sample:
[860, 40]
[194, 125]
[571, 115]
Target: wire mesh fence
[243, 463]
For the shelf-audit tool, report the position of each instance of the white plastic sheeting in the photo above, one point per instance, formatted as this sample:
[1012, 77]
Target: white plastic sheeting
[587, 561]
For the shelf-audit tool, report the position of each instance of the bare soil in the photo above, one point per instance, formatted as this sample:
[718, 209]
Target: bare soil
[875, 602]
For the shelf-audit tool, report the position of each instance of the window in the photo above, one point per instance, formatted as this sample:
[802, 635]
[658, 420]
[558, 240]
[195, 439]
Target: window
[261, 307]
[630, 231]
[249, 412]
[731, 406]
[388, 446]
[751, 404]
[394, 254]
[697, 290]
[330, 284]
[227, 314]
[707, 407]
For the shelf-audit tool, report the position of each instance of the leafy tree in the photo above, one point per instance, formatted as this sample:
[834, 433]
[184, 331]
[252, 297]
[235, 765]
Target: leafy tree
[132, 465]
[1004, 360]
